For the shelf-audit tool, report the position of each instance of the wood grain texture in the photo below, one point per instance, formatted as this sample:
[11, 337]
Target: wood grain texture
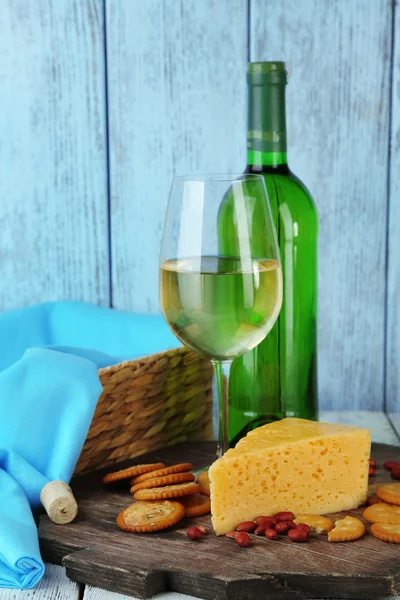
[377, 422]
[177, 87]
[53, 201]
[393, 295]
[338, 56]
[96, 552]
[55, 585]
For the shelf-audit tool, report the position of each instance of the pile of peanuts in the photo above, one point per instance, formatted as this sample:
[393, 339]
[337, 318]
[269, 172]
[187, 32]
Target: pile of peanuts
[390, 465]
[393, 467]
[280, 524]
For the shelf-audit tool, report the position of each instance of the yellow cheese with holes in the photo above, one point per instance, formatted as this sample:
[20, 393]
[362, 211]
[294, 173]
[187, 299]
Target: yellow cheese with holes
[291, 465]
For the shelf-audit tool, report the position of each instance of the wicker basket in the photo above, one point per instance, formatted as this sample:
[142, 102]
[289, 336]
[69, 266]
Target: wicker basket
[149, 403]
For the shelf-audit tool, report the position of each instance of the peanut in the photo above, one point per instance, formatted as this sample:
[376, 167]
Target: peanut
[203, 529]
[390, 464]
[247, 526]
[266, 521]
[395, 473]
[271, 534]
[284, 516]
[304, 526]
[242, 539]
[281, 528]
[261, 529]
[193, 533]
[297, 535]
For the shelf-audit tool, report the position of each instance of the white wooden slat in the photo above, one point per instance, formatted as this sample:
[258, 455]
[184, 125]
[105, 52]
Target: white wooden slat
[92, 593]
[393, 316]
[338, 55]
[97, 594]
[377, 422]
[53, 192]
[55, 585]
[176, 89]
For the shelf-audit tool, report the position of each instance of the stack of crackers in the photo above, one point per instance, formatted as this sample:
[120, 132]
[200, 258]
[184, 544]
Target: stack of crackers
[156, 488]
[384, 513]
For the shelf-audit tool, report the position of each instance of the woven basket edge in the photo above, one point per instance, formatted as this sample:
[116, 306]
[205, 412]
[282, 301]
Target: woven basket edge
[145, 358]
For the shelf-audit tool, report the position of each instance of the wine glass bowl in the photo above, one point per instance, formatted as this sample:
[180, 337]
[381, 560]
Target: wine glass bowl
[221, 304]
[218, 306]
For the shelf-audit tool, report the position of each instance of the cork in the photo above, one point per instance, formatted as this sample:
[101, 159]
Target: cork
[59, 502]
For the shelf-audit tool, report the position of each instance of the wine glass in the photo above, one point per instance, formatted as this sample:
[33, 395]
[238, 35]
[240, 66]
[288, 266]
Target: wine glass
[220, 290]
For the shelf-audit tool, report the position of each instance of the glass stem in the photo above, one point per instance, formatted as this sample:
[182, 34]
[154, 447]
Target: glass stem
[222, 369]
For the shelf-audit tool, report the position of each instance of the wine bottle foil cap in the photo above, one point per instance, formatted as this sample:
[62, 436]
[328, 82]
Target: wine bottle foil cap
[267, 73]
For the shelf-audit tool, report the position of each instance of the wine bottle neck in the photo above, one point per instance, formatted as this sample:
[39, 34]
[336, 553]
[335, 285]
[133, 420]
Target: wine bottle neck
[266, 134]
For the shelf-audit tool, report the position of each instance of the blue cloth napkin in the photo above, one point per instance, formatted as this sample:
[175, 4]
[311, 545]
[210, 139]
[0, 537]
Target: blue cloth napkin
[49, 387]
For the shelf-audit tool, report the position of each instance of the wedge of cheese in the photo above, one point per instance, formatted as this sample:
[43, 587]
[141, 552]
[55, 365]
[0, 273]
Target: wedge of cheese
[291, 465]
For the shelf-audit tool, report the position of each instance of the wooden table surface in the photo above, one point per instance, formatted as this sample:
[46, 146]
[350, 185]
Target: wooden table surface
[56, 586]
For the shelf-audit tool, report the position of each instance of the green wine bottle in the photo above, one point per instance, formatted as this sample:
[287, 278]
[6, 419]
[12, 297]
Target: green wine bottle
[279, 377]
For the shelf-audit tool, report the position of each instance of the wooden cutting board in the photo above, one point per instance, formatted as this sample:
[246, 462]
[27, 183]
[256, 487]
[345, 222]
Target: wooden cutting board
[96, 552]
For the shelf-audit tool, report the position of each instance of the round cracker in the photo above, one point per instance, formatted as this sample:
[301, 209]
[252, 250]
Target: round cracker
[382, 513]
[169, 491]
[131, 472]
[196, 505]
[204, 482]
[347, 530]
[390, 492]
[162, 481]
[145, 517]
[162, 472]
[387, 532]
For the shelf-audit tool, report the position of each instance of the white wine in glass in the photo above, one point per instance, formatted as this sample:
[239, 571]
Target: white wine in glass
[220, 306]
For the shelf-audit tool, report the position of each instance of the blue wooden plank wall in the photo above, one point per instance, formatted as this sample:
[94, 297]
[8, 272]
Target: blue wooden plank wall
[338, 108]
[53, 178]
[175, 107]
[103, 101]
